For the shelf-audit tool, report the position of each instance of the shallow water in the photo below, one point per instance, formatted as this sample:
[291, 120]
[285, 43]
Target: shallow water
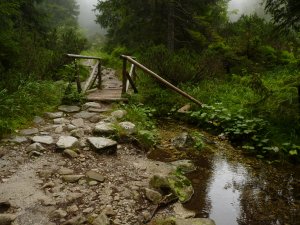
[232, 188]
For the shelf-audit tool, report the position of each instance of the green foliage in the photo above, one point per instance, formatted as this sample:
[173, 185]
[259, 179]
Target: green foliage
[142, 117]
[30, 99]
[71, 96]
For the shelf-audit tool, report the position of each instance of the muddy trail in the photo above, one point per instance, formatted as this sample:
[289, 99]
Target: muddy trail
[230, 187]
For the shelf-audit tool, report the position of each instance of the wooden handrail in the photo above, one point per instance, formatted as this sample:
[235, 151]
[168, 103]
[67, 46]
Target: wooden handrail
[93, 76]
[157, 77]
[82, 56]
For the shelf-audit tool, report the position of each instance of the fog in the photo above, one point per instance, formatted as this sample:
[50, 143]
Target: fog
[87, 17]
[247, 7]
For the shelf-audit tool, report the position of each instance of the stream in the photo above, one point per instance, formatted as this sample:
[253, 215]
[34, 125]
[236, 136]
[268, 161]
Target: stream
[233, 188]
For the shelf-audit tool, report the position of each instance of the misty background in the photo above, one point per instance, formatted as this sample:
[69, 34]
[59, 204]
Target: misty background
[236, 8]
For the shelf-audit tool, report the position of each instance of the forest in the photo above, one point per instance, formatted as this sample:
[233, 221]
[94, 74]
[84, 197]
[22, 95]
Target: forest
[245, 72]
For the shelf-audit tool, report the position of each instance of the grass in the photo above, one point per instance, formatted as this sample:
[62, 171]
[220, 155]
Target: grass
[33, 98]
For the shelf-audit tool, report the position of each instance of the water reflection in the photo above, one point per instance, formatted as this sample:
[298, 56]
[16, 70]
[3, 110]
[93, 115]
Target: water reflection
[224, 194]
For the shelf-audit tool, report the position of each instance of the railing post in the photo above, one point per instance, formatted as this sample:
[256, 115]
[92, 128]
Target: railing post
[77, 77]
[124, 77]
[99, 76]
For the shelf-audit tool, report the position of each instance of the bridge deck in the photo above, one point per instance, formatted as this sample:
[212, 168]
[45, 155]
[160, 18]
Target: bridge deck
[111, 88]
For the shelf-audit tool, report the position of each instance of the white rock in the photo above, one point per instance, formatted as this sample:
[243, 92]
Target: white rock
[128, 127]
[67, 142]
[43, 139]
[183, 213]
[78, 122]
[103, 144]
[104, 128]
[91, 105]
[30, 131]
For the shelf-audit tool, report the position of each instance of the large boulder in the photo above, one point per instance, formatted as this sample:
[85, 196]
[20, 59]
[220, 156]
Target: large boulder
[103, 145]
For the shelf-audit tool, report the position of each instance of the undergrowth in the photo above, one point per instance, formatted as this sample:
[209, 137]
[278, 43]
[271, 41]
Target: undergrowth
[31, 99]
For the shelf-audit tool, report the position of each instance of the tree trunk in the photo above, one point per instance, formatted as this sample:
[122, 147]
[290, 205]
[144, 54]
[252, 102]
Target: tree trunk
[171, 25]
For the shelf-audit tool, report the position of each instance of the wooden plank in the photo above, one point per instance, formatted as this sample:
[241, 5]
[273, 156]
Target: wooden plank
[131, 75]
[131, 83]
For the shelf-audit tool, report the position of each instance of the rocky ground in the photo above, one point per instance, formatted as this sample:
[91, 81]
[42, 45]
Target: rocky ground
[65, 170]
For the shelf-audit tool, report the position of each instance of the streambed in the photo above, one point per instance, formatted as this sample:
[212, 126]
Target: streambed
[232, 188]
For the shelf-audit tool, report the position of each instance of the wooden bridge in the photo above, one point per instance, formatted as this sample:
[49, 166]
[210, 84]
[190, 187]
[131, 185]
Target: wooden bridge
[103, 85]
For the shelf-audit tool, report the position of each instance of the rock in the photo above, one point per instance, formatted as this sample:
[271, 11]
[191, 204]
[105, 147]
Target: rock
[77, 133]
[65, 171]
[104, 128]
[88, 210]
[35, 153]
[61, 121]
[118, 114]
[73, 208]
[84, 115]
[95, 176]
[78, 122]
[95, 119]
[18, 139]
[91, 105]
[7, 219]
[194, 221]
[96, 110]
[102, 219]
[146, 216]
[110, 119]
[28, 132]
[4, 206]
[76, 221]
[69, 108]
[177, 183]
[35, 147]
[127, 127]
[102, 145]
[59, 213]
[183, 213]
[183, 140]
[153, 196]
[59, 129]
[48, 140]
[67, 142]
[73, 196]
[70, 153]
[184, 109]
[186, 166]
[159, 182]
[109, 211]
[71, 127]
[93, 183]
[72, 178]
[54, 115]
[38, 120]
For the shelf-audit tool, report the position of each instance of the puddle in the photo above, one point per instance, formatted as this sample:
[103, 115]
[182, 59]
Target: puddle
[234, 189]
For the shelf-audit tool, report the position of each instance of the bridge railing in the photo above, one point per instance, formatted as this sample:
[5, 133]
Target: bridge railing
[96, 73]
[129, 78]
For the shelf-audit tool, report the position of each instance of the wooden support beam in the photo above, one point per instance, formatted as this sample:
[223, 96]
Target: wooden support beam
[78, 83]
[131, 83]
[124, 76]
